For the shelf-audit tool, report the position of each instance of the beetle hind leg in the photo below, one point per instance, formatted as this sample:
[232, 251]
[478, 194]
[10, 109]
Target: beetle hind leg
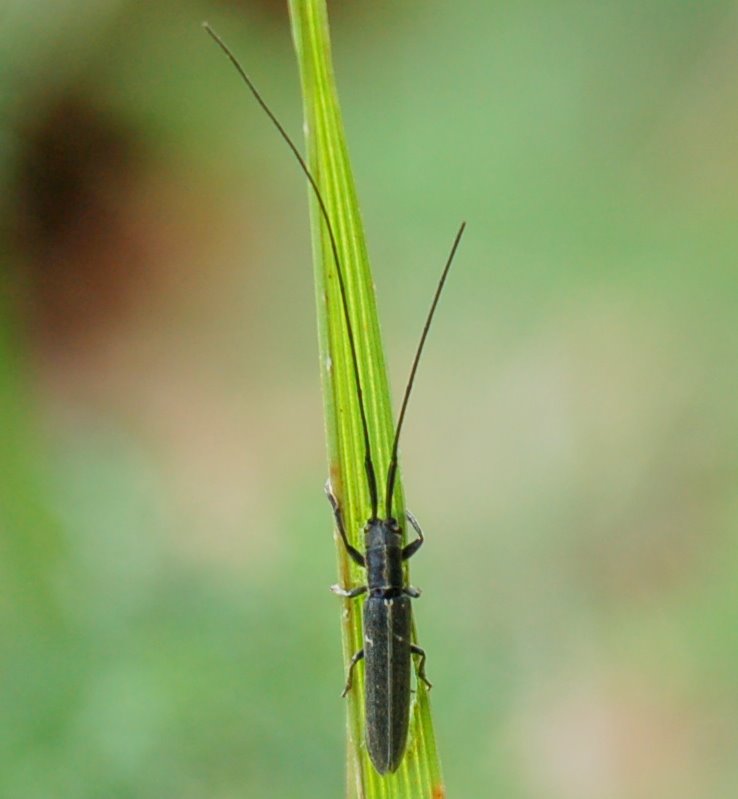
[354, 660]
[416, 650]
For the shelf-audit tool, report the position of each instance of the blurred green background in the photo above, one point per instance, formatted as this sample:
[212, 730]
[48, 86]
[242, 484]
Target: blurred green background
[571, 450]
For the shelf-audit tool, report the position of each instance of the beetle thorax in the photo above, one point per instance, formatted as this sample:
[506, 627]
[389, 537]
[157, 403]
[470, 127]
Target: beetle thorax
[383, 542]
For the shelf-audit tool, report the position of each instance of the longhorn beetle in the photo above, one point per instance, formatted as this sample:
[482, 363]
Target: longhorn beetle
[387, 646]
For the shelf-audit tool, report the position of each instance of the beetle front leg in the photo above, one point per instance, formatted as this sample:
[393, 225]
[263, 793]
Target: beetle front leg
[354, 553]
[354, 660]
[416, 650]
[413, 546]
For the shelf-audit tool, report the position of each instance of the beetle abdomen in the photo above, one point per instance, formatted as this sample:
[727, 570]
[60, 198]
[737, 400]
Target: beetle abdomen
[387, 624]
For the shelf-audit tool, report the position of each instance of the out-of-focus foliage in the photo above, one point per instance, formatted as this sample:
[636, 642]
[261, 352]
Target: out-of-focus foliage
[571, 449]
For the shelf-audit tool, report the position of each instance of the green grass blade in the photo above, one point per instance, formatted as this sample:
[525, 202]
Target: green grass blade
[419, 775]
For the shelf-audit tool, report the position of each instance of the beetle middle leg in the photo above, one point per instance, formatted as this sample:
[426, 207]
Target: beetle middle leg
[349, 593]
[413, 546]
[354, 553]
[416, 650]
[354, 660]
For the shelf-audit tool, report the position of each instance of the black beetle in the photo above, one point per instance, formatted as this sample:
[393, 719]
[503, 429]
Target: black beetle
[387, 614]
[387, 610]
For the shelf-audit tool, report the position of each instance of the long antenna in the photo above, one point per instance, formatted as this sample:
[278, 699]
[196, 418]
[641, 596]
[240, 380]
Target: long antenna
[368, 463]
[392, 470]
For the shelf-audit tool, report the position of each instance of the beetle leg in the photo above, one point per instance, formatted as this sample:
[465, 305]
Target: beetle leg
[411, 591]
[416, 650]
[354, 553]
[354, 660]
[413, 546]
[349, 593]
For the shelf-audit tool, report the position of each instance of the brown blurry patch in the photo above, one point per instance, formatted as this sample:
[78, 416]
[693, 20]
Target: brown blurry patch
[143, 310]
[122, 273]
[82, 268]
